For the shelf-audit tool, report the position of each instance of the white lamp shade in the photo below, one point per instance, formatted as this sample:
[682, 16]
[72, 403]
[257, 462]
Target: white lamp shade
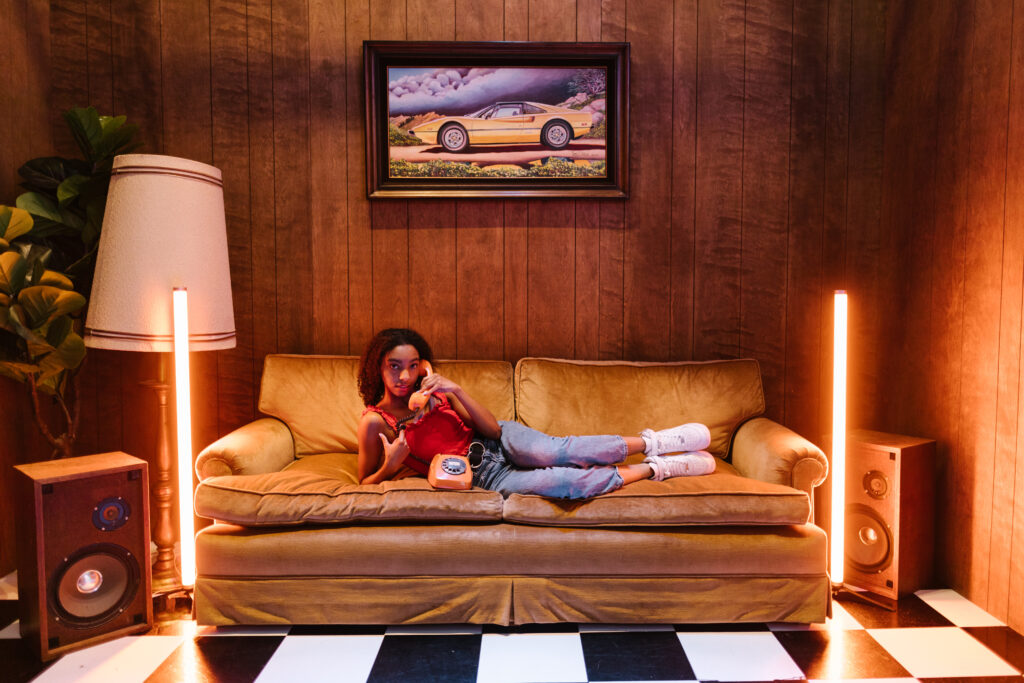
[163, 229]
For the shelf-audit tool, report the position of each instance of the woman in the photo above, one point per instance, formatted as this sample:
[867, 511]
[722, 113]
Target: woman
[395, 441]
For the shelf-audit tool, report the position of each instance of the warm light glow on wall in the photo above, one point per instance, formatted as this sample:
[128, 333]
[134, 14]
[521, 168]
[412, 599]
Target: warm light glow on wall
[839, 438]
[183, 394]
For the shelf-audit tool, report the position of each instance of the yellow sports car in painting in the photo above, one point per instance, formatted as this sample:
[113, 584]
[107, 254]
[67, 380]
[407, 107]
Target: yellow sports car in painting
[506, 123]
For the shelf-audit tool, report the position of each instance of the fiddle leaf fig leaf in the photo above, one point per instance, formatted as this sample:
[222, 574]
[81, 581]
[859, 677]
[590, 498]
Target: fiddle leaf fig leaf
[39, 205]
[13, 268]
[54, 279]
[86, 129]
[42, 304]
[70, 188]
[14, 223]
[66, 356]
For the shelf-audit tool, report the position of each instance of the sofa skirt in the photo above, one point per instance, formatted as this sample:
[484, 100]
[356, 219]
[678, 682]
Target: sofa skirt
[510, 574]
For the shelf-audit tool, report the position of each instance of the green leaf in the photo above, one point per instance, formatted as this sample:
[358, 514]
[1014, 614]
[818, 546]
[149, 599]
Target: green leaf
[55, 279]
[66, 356]
[59, 330]
[85, 129]
[43, 304]
[13, 268]
[70, 188]
[45, 174]
[39, 205]
[14, 223]
[14, 371]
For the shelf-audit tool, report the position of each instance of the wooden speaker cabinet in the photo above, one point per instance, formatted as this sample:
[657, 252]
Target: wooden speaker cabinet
[890, 513]
[83, 551]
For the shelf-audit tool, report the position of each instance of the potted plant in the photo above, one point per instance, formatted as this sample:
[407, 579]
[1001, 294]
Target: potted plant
[48, 246]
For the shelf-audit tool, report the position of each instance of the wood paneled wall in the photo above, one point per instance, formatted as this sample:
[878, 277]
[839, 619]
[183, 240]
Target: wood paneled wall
[755, 158]
[953, 212]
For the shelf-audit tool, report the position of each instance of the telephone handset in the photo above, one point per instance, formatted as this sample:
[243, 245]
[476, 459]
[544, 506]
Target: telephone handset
[418, 398]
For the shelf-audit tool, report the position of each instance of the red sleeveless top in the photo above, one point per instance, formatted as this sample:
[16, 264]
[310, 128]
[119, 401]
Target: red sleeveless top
[439, 431]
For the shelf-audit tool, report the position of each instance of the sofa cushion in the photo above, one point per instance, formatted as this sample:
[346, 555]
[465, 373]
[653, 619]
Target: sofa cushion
[318, 398]
[323, 489]
[722, 498]
[563, 397]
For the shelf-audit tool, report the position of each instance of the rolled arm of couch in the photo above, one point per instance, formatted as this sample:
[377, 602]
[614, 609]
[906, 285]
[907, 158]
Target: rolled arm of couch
[265, 445]
[767, 451]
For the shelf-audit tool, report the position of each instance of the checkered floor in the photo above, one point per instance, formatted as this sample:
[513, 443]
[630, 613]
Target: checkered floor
[933, 635]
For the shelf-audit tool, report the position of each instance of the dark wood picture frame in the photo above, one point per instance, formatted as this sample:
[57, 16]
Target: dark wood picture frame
[433, 159]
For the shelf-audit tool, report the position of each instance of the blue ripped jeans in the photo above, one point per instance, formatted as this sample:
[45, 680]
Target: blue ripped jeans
[528, 461]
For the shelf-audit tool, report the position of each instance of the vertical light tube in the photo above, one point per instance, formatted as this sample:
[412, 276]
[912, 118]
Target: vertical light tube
[839, 438]
[183, 396]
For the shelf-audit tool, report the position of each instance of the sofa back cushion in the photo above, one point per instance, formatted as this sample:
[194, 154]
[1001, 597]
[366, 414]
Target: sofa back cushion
[318, 396]
[564, 397]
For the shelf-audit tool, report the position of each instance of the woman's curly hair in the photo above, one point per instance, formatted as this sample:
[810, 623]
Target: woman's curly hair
[371, 384]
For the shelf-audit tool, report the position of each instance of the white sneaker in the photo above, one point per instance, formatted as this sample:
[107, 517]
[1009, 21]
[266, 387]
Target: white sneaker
[692, 436]
[684, 465]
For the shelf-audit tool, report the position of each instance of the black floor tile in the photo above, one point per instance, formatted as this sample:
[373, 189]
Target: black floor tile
[18, 663]
[1002, 640]
[719, 628]
[8, 613]
[238, 659]
[840, 654]
[635, 656]
[911, 612]
[445, 659]
[337, 630]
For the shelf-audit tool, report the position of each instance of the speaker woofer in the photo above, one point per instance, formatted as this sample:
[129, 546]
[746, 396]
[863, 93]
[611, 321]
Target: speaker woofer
[94, 585]
[869, 540]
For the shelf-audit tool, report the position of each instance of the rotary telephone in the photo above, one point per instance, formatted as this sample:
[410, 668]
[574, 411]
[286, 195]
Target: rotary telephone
[446, 471]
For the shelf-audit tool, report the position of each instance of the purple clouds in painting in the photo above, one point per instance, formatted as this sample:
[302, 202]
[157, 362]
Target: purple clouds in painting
[453, 91]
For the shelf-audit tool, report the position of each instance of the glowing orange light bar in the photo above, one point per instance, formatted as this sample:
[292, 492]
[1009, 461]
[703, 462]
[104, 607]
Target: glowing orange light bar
[183, 394]
[839, 438]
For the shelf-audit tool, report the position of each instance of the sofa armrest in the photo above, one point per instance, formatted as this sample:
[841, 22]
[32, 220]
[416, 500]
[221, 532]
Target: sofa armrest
[265, 445]
[767, 451]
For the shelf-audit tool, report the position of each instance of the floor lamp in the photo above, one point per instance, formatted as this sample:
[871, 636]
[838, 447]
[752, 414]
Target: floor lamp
[838, 516]
[162, 285]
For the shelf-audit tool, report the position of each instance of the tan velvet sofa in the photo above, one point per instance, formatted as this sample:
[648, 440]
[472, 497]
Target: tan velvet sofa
[297, 540]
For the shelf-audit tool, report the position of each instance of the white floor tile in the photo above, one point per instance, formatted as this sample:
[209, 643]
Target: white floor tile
[9, 587]
[531, 658]
[957, 608]
[343, 659]
[243, 630]
[125, 660]
[715, 657]
[435, 630]
[841, 620]
[940, 652]
[12, 630]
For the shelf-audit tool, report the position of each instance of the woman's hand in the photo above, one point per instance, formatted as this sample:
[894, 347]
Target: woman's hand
[436, 382]
[395, 452]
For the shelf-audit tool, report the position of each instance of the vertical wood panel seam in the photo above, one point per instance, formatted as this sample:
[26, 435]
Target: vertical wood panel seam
[252, 298]
[743, 185]
[967, 211]
[1002, 290]
[789, 208]
[696, 148]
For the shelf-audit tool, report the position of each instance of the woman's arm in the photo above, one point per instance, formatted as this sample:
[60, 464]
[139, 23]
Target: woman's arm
[380, 458]
[475, 415]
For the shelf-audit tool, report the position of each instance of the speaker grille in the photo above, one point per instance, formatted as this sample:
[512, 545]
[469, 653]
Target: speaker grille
[94, 585]
[869, 540]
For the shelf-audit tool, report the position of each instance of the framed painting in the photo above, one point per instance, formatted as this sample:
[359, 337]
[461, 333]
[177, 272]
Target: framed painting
[496, 119]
